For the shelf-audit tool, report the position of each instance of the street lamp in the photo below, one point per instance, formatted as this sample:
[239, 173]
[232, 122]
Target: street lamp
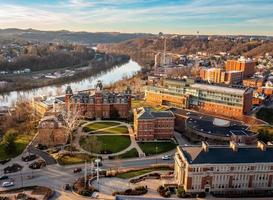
[156, 148]
[98, 173]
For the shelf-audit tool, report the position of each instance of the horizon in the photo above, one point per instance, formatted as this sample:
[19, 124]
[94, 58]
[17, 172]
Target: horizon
[184, 17]
[144, 33]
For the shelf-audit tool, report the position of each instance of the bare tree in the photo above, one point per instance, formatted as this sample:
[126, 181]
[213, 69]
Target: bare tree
[71, 119]
[93, 145]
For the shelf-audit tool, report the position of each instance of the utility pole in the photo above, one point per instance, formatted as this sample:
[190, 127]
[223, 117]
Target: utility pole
[85, 174]
[156, 154]
[92, 168]
[98, 173]
[164, 53]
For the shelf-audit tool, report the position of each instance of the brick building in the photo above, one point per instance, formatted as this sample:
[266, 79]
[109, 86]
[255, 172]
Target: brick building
[253, 82]
[150, 125]
[218, 75]
[100, 104]
[247, 66]
[224, 168]
[52, 131]
[215, 99]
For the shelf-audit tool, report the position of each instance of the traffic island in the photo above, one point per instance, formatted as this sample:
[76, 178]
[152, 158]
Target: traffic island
[30, 192]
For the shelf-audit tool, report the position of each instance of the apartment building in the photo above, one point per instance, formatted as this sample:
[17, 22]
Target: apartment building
[224, 168]
[219, 75]
[150, 125]
[253, 82]
[247, 66]
[218, 99]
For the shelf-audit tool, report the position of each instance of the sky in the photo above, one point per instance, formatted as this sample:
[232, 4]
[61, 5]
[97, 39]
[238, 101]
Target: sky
[247, 17]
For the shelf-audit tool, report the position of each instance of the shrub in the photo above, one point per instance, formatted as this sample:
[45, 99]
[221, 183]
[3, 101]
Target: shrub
[180, 192]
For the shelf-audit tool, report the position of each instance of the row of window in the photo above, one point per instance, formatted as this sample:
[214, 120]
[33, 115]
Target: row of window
[235, 168]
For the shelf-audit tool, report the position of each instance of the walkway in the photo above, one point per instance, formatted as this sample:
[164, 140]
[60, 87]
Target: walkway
[133, 144]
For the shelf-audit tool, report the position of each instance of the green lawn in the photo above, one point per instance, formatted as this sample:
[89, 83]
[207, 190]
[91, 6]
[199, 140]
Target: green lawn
[115, 130]
[129, 154]
[134, 173]
[68, 159]
[149, 148]
[21, 142]
[265, 114]
[109, 143]
[99, 125]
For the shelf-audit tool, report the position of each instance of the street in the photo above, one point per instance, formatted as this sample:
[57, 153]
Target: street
[55, 176]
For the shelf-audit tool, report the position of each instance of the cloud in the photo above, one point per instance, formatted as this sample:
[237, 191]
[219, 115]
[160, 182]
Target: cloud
[136, 14]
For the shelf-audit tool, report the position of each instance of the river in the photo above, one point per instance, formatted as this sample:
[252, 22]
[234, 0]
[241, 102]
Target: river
[114, 75]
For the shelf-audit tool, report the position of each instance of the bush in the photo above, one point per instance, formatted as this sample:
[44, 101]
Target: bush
[164, 191]
[140, 190]
[180, 192]
[86, 192]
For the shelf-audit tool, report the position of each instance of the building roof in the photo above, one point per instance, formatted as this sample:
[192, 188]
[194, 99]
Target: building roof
[147, 113]
[220, 89]
[226, 155]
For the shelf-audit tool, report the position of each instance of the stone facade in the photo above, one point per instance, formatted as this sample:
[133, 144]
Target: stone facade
[150, 125]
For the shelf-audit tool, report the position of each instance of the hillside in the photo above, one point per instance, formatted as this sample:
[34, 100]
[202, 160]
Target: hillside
[147, 47]
[68, 36]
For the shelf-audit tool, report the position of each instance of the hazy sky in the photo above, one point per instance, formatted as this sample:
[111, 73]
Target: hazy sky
[168, 16]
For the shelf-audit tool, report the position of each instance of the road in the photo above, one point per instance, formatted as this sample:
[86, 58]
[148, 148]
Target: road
[55, 176]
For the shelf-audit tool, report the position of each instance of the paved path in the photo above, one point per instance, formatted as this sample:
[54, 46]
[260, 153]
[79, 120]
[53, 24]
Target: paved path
[47, 157]
[133, 144]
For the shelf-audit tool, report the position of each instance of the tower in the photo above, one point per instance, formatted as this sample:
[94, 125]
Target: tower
[68, 95]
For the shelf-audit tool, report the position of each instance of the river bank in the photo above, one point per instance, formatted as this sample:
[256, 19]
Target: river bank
[113, 75]
[23, 83]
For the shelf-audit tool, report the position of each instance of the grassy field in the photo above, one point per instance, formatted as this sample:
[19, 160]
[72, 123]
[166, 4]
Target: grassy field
[21, 142]
[99, 125]
[68, 159]
[265, 114]
[129, 154]
[134, 173]
[109, 143]
[149, 148]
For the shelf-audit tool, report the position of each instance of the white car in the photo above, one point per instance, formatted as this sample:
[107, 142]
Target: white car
[7, 184]
[166, 157]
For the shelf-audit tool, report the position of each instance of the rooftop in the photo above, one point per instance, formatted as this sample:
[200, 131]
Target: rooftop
[226, 155]
[147, 113]
[220, 89]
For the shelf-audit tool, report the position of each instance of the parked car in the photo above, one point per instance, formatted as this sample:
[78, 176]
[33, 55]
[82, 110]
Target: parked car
[8, 184]
[13, 168]
[29, 157]
[77, 170]
[41, 147]
[37, 164]
[4, 177]
[2, 162]
[166, 157]
[67, 187]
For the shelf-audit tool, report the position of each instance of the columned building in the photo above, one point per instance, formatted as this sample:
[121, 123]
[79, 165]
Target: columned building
[231, 168]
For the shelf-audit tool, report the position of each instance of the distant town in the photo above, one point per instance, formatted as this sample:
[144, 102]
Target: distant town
[186, 125]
